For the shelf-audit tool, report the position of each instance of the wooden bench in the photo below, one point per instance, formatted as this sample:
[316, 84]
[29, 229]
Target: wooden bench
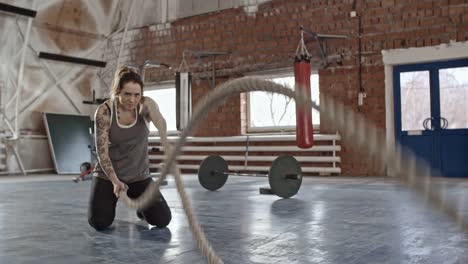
[254, 153]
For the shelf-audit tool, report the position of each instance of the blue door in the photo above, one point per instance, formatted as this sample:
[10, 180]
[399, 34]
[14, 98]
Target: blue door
[431, 113]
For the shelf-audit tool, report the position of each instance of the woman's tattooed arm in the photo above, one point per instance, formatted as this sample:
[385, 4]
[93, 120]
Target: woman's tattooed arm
[102, 122]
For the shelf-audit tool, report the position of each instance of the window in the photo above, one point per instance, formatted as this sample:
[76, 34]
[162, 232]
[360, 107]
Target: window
[453, 85]
[166, 100]
[275, 112]
[415, 92]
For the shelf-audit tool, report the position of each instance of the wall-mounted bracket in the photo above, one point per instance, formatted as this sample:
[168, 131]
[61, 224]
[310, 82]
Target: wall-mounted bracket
[213, 55]
[321, 40]
[95, 101]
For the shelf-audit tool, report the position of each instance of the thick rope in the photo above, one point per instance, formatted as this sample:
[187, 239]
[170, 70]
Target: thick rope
[368, 139]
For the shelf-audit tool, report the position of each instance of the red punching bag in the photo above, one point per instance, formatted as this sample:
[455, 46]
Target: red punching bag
[304, 128]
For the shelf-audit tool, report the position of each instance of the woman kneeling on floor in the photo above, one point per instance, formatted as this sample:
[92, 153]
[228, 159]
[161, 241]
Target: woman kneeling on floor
[121, 129]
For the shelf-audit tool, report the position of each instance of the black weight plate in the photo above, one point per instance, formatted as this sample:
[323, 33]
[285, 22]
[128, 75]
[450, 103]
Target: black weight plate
[210, 173]
[282, 176]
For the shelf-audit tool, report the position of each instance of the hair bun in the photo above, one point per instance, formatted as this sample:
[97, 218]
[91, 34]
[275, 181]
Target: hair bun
[126, 69]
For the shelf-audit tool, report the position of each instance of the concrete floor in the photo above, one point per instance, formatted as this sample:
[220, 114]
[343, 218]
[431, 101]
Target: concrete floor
[335, 220]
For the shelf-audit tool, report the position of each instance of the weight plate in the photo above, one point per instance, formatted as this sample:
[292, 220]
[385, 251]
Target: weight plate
[210, 173]
[285, 176]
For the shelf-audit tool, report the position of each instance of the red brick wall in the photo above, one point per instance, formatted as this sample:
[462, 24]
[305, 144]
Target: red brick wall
[268, 39]
[222, 120]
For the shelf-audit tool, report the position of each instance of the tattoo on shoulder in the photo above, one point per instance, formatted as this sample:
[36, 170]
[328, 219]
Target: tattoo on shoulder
[105, 111]
[102, 115]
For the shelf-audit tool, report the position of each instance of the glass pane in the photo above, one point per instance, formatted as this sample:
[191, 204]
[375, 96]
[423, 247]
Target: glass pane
[165, 99]
[415, 100]
[453, 85]
[270, 110]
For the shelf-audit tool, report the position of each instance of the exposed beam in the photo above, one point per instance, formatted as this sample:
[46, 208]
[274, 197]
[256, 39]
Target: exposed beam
[17, 10]
[70, 59]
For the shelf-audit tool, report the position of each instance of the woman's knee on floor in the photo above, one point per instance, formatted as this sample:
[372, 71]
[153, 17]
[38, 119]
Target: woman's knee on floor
[100, 223]
[162, 220]
[158, 215]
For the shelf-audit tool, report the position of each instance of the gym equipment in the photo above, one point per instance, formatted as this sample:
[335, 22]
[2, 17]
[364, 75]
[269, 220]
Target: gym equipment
[85, 168]
[213, 173]
[304, 128]
[285, 175]
[183, 98]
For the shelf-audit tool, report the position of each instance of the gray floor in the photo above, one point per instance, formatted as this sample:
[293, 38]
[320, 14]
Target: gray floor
[337, 220]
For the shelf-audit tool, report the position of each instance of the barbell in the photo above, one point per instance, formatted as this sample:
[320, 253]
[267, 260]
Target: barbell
[284, 176]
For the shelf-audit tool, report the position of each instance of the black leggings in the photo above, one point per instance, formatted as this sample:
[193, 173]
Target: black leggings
[102, 204]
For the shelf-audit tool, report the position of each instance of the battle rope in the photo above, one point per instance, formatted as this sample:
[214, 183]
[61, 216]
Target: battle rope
[407, 168]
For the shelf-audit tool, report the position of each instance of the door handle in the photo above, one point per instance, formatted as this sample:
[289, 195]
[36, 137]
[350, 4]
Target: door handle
[425, 123]
[444, 123]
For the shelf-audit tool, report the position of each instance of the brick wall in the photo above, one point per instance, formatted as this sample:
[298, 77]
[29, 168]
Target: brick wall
[268, 39]
[223, 120]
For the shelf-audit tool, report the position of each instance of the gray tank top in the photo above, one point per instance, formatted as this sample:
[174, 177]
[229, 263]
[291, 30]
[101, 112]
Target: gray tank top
[128, 148]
